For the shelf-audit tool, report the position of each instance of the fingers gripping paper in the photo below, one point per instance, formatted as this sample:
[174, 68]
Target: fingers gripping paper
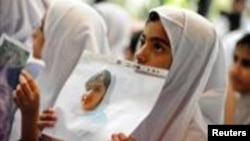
[104, 96]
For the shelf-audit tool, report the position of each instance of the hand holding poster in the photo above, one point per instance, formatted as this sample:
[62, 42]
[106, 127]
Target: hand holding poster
[104, 96]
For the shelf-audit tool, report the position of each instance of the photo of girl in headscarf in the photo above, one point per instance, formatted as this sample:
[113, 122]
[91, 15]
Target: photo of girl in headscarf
[91, 112]
[85, 114]
[95, 96]
[96, 89]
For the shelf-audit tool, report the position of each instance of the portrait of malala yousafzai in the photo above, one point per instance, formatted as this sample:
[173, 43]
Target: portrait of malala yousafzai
[96, 89]
[13, 58]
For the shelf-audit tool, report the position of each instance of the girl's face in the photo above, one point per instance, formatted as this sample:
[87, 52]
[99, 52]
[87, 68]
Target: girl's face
[240, 69]
[155, 48]
[38, 41]
[94, 95]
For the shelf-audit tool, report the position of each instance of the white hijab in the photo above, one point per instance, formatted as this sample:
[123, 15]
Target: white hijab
[193, 95]
[118, 24]
[70, 27]
[19, 17]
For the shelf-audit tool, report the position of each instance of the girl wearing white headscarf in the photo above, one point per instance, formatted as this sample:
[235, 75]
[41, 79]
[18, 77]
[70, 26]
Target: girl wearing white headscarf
[119, 26]
[19, 17]
[193, 96]
[238, 100]
[67, 30]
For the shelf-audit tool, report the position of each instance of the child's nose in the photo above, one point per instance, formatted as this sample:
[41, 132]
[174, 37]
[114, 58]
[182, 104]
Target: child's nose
[141, 56]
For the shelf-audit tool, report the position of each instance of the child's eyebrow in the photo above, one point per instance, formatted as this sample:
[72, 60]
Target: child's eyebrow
[160, 40]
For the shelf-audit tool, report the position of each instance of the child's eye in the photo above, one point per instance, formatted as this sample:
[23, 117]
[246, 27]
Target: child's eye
[142, 42]
[158, 47]
[245, 63]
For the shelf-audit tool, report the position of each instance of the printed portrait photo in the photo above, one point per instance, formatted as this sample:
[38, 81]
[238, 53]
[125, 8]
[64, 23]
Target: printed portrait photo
[96, 89]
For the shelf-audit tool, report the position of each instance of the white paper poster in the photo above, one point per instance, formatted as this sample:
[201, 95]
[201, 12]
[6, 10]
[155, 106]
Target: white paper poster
[105, 96]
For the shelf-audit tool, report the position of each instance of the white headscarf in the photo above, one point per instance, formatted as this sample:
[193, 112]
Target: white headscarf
[118, 24]
[19, 17]
[70, 27]
[195, 84]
